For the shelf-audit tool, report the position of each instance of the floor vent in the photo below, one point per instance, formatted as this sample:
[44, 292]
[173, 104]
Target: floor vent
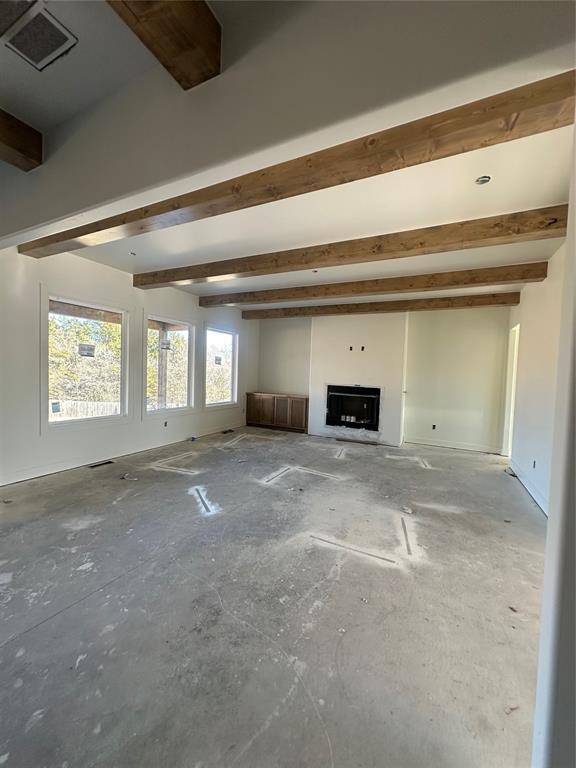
[38, 37]
[101, 464]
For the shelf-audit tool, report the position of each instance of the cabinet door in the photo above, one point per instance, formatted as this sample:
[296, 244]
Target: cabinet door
[299, 413]
[252, 409]
[282, 411]
[266, 407]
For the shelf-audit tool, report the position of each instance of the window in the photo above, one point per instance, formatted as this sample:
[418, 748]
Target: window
[167, 365]
[85, 362]
[220, 367]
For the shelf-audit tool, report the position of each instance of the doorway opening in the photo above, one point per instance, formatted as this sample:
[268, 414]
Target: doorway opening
[510, 396]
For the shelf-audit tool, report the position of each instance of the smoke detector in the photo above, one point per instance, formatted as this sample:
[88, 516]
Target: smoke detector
[34, 33]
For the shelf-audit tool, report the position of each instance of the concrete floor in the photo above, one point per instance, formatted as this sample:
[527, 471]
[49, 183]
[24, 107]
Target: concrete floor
[208, 609]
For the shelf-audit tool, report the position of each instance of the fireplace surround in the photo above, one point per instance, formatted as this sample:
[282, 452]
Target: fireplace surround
[354, 407]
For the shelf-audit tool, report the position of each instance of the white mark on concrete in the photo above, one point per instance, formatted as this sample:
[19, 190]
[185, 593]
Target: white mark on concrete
[168, 464]
[4, 758]
[20, 652]
[284, 599]
[107, 629]
[33, 719]
[81, 523]
[98, 730]
[289, 468]
[299, 678]
[122, 496]
[18, 683]
[317, 605]
[406, 537]
[206, 507]
[340, 453]
[234, 441]
[316, 472]
[350, 548]
[321, 702]
[451, 508]
[424, 463]
[5, 578]
[176, 470]
[275, 475]
[80, 659]
[86, 566]
[274, 714]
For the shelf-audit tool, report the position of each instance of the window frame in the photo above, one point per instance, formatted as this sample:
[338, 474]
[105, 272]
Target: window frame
[190, 406]
[46, 298]
[233, 403]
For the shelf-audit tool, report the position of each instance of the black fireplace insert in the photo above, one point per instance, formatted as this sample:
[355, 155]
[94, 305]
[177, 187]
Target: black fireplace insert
[354, 407]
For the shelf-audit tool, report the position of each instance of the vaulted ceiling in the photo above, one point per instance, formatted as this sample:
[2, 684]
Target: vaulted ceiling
[424, 176]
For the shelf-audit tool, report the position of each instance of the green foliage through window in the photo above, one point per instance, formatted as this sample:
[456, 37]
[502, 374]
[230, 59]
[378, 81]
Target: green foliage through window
[167, 371]
[220, 364]
[84, 362]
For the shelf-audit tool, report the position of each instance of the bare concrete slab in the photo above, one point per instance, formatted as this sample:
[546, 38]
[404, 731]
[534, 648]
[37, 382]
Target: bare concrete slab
[270, 600]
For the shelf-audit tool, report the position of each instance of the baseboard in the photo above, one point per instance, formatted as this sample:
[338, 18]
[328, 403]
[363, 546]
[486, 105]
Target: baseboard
[534, 492]
[30, 473]
[459, 446]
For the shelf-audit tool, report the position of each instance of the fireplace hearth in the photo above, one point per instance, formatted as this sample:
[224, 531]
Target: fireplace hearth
[353, 407]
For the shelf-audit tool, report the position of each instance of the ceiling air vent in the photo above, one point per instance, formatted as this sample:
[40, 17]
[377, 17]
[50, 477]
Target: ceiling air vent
[38, 37]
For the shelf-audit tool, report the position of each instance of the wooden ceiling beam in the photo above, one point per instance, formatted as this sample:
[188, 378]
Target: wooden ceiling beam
[403, 305]
[20, 144]
[184, 35]
[466, 278]
[530, 109]
[539, 224]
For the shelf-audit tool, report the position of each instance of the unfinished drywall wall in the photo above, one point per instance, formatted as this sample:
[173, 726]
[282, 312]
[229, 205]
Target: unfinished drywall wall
[285, 356]
[379, 364]
[538, 315]
[455, 378]
[30, 447]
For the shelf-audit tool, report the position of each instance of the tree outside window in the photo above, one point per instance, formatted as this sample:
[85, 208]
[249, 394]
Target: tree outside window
[167, 365]
[220, 367]
[84, 362]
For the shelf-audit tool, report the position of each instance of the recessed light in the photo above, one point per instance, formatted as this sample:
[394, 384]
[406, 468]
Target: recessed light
[483, 179]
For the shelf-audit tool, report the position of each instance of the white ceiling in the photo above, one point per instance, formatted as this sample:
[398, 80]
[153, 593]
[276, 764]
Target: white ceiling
[493, 256]
[107, 56]
[528, 173]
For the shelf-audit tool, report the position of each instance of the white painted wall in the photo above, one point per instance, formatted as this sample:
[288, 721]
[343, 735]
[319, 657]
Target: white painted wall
[380, 365]
[284, 365]
[539, 315]
[554, 742]
[455, 378]
[30, 447]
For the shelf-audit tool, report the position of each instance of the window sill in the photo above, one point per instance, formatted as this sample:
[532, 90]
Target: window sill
[121, 418]
[220, 406]
[185, 410]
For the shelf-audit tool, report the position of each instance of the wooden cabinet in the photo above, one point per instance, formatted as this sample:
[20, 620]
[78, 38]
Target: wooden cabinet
[299, 413]
[264, 409]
